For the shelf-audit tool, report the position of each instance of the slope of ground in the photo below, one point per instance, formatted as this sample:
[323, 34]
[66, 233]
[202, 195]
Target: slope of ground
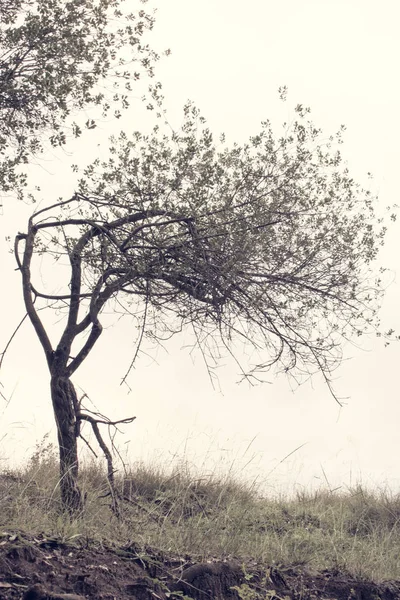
[43, 568]
[184, 536]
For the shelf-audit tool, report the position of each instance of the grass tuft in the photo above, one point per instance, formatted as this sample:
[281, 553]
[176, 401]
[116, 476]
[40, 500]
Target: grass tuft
[356, 531]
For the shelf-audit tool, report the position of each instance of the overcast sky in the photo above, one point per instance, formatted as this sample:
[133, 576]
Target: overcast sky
[230, 57]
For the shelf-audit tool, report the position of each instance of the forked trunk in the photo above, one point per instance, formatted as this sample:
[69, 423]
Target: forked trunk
[65, 404]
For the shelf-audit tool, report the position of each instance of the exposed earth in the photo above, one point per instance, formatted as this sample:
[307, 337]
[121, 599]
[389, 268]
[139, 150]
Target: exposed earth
[43, 568]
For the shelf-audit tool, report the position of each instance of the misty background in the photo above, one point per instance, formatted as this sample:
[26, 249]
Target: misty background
[229, 57]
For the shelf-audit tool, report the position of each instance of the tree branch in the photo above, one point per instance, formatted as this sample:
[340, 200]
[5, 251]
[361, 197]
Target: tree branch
[110, 468]
[11, 339]
[27, 292]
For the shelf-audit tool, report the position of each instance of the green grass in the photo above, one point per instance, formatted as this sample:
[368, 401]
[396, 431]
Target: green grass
[355, 531]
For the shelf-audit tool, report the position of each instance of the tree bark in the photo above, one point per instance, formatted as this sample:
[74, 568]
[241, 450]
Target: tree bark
[65, 406]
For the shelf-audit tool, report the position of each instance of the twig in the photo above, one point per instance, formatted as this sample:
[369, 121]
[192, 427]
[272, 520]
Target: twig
[11, 339]
[106, 451]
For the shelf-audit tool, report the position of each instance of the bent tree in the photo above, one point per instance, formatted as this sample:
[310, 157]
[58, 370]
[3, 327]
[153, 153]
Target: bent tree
[267, 245]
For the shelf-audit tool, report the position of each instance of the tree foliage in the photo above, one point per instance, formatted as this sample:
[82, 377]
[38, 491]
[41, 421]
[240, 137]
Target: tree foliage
[270, 242]
[58, 58]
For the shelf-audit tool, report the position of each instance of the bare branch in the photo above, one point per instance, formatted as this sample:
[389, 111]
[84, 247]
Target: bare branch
[27, 291]
[11, 339]
[139, 343]
[110, 468]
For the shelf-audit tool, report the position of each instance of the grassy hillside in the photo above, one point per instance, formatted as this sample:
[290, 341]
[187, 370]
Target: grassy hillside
[355, 531]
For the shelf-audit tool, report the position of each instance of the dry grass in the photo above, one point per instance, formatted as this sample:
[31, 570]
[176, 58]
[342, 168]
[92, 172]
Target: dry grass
[354, 531]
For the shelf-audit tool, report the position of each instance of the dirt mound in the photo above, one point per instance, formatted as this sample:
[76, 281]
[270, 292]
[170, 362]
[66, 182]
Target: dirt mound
[44, 568]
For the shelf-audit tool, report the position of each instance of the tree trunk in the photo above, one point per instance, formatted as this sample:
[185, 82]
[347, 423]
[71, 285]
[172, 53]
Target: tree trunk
[65, 405]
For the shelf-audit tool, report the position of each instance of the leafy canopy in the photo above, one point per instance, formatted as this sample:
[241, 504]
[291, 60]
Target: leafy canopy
[267, 244]
[57, 58]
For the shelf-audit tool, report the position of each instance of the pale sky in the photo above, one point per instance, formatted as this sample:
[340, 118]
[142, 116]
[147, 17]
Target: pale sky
[229, 57]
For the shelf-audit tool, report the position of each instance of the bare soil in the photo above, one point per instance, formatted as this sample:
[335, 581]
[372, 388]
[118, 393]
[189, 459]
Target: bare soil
[43, 568]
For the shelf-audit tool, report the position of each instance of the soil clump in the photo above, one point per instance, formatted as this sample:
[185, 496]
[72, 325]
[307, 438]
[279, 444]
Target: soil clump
[44, 568]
